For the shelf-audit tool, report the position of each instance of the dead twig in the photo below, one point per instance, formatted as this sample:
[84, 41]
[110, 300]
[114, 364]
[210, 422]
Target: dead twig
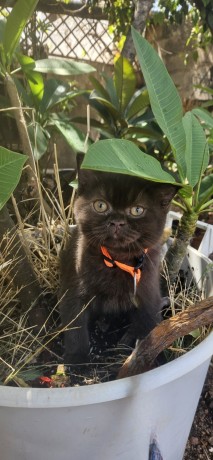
[163, 335]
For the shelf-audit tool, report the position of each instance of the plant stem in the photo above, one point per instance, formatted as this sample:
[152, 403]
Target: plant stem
[21, 123]
[21, 270]
[177, 250]
[29, 179]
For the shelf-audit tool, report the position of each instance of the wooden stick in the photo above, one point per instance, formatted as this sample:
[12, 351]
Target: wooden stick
[163, 335]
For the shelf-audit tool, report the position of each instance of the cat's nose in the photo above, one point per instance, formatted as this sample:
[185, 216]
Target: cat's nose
[116, 225]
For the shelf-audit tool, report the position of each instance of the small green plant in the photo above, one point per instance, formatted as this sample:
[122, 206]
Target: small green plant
[124, 110]
[47, 99]
[41, 97]
[188, 144]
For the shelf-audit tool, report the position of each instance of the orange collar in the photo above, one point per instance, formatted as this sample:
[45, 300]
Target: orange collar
[134, 271]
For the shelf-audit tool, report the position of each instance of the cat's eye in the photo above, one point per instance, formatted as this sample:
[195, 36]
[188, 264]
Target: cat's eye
[100, 206]
[136, 211]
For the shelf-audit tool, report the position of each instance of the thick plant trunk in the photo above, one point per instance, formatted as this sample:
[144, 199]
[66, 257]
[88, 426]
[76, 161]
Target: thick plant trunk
[142, 9]
[178, 249]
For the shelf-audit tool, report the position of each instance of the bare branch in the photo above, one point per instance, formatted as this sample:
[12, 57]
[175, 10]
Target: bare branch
[163, 335]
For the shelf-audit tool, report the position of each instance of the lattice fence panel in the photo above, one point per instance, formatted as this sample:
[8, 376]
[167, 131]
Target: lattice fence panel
[80, 38]
[69, 37]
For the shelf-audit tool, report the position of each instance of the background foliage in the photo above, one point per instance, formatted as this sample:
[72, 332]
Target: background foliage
[199, 12]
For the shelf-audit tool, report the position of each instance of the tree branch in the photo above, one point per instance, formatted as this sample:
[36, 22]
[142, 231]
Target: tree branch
[163, 335]
[142, 9]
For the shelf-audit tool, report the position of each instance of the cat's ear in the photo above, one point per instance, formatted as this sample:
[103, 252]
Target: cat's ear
[84, 175]
[166, 194]
[79, 160]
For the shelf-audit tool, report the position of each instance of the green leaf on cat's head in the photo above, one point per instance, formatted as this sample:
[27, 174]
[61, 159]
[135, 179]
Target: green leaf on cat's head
[124, 157]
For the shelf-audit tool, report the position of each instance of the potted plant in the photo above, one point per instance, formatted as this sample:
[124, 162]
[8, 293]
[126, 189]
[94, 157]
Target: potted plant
[143, 416]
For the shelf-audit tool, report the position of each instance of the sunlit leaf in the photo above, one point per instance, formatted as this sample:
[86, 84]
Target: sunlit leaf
[62, 67]
[55, 92]
[164, 98]
[125, 81]
[16, 21]
[124, 157]
[204, 115]
[206, 188]
[11, 164]
[74, 136]
[39, 139]
[197, 153]
[106, 103]
[138, 103]
[35, 79]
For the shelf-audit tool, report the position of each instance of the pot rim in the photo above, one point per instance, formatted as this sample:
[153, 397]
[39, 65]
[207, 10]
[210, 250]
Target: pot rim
[108, 391]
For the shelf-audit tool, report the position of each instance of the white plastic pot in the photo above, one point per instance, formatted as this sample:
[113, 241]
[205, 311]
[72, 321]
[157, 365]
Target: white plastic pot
[108, 421]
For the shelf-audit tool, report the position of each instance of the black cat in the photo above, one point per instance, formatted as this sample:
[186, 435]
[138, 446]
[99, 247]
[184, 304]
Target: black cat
[111, 262]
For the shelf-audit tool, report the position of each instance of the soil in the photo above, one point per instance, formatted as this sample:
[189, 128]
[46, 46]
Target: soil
[200, 442]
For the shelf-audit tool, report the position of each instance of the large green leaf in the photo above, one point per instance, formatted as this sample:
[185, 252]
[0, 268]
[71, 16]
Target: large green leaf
[204, 115]
[103, 111]
[125, 82]
[124, 157]
[55, 92]
[83, 120]
[99, 88]
[74, 137]
[26, 98]
[110, 88]
[2, 28]
[16, 21]
[205, 89]
[197, 152]
[206, 188]
[106, 103]
[138, 103]
[145, 131]
[164, 98]
[11, 165]
[62, 67]
[39, 139]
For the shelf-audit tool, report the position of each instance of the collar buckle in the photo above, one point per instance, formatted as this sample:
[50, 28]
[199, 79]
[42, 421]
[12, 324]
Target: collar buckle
[135, 271]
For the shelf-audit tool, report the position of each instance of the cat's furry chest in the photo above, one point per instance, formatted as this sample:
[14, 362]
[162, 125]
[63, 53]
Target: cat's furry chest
[112, 288]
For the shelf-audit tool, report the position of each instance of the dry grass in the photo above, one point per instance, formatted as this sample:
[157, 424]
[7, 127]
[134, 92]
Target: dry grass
[19, 347]
[183, 295]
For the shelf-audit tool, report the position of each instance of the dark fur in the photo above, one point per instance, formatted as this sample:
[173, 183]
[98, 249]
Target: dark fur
[84, 275]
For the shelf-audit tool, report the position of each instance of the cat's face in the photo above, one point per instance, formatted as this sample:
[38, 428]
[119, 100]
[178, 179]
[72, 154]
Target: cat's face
[120, 211]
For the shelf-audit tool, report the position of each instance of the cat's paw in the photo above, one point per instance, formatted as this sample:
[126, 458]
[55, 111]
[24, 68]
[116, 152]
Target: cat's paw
[127, 340]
